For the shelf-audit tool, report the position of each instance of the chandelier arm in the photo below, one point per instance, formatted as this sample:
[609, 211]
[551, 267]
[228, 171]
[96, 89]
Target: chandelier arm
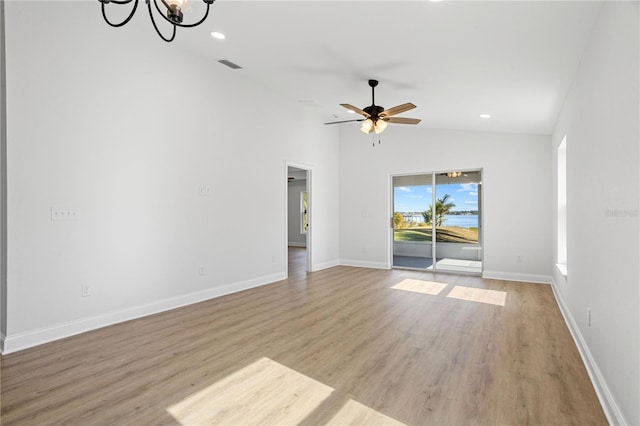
[127, 19]
[176, 24]
[153, 21]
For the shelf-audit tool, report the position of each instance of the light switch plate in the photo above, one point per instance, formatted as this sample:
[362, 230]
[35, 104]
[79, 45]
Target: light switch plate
[61, 213]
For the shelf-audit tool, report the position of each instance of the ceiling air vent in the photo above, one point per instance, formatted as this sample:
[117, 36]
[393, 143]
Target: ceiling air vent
[230, 64]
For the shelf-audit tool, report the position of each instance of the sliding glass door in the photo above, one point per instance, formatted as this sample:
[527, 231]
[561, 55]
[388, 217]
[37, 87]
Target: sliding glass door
[412, 231]
[447, 205]
[457, 221]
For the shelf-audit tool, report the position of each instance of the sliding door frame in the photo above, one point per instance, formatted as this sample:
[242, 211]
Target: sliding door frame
[433, 184]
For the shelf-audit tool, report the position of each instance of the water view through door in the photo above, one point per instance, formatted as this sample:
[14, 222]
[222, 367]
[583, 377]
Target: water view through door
[447, 205]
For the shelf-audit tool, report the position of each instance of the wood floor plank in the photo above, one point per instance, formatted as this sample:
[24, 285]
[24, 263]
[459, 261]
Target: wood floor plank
[340, 346]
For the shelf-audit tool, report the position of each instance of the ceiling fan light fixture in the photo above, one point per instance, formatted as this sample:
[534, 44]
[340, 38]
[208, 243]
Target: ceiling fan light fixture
[380, 126]
[367, 126]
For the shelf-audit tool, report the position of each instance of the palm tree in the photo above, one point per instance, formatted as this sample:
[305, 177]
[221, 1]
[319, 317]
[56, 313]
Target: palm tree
[442, 208]
[427, 215]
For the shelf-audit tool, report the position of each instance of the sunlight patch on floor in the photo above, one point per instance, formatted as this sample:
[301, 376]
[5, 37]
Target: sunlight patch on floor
[268, 393]
[264, 392]
[481, 295]
[354, 413]
[420, 286]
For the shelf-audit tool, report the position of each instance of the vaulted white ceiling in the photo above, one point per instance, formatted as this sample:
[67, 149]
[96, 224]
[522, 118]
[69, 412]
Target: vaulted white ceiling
[455, 60]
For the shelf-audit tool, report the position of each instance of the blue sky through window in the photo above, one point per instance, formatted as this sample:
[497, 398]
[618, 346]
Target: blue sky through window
[418, 198]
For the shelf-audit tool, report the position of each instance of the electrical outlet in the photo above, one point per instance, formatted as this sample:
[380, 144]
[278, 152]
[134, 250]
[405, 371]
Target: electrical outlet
[86, 291]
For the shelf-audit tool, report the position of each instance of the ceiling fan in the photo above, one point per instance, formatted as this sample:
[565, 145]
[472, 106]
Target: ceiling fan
[376, 117]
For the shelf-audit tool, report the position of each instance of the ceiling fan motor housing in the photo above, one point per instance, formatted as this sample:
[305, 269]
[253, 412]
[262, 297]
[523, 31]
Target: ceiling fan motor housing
[374, 111]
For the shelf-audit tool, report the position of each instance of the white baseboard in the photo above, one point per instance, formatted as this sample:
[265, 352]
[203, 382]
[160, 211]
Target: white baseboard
[364, 264]
[20, 341]
[512, 276]
[609, 406]
[325, 265]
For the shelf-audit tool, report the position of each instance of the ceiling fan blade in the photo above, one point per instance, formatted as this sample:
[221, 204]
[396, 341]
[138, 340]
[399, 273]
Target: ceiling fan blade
[402, 120]
[355, 109]
[345, 121]
[397, 109]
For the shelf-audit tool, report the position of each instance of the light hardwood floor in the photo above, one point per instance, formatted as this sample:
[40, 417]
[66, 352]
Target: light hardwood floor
[340, 346]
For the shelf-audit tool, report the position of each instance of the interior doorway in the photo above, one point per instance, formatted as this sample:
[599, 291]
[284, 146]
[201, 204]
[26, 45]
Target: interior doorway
[437, 221]
[298, 218]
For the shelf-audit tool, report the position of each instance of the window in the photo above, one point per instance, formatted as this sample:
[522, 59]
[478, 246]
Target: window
[561, 260]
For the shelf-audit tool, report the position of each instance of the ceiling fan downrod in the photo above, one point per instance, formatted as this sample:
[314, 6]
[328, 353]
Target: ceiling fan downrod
[373, 84]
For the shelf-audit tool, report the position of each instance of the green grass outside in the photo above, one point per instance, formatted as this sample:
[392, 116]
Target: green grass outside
[444, 234]
[411, 235]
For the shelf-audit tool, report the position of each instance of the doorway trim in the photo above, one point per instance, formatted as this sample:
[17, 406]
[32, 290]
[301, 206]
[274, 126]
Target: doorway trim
[309, 170]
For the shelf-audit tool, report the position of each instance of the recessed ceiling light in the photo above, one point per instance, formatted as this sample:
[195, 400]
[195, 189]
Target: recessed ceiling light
[218, 35]
[485, 115]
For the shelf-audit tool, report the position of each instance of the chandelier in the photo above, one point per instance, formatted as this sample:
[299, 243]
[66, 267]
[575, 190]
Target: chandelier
[173, 13]
[454, 174]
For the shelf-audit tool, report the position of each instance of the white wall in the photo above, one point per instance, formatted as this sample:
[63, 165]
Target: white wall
[95, 122]
[601, 119]
[516, 189]
[3, 186]
[296, 238]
